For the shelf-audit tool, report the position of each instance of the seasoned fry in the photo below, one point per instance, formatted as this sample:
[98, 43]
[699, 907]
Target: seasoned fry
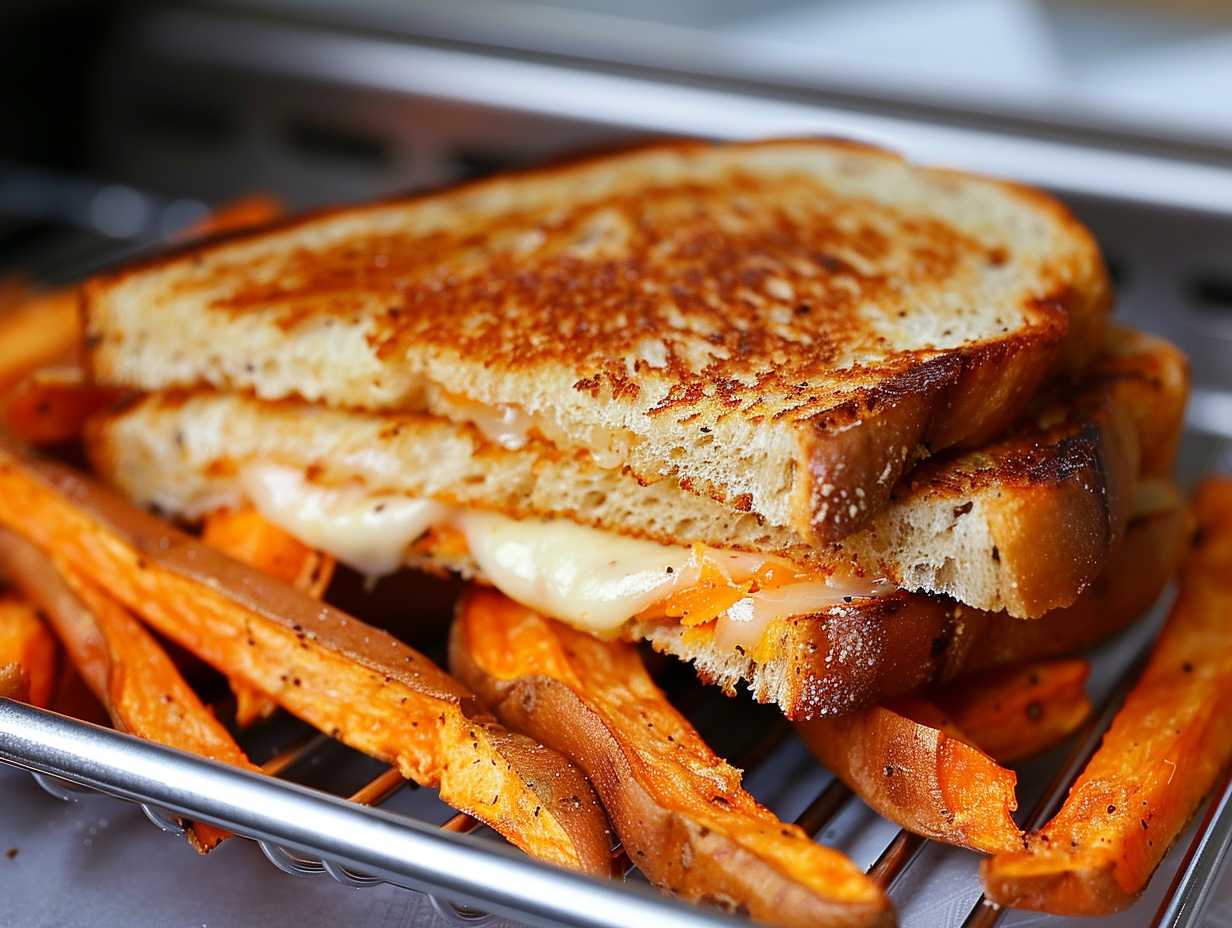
[678, 808]
[123, 665]
[246, 536]
[52, 404]
[1160, 757]
[913, 766]
[352, 681]
[1014, 714]
[26, 641]
[13, 682]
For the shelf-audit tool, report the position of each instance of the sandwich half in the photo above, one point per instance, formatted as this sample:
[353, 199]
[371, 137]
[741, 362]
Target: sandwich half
[782, 329]
[1025, 526]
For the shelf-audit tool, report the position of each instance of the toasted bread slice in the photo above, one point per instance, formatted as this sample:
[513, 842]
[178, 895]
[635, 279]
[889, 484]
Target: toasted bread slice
[1022, 525]
[782, 326]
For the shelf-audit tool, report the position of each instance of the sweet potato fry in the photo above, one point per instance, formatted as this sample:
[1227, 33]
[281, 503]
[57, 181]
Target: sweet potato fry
[912, 765]
[352, 681]
[678, 808]
[73, 697]
[27, 642]
[246, 536]
[123, 665]
[251, 210]
[1160, 757]
[1014, 714]
[51, 405]
[39, 328]
[13, 683]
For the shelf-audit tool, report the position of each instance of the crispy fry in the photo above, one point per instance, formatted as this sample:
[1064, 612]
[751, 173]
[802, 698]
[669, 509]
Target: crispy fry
[1014, 714]
[352, 681]
[678, 808]
[26, 641]
[123, 665]
[912, 765]
[933, 765]
[1160, 757]
[246, 536]
[13, 684]
[52, 404]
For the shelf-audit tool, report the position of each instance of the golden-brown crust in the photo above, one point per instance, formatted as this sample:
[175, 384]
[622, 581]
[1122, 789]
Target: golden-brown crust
[1057, 491]
[725, 294]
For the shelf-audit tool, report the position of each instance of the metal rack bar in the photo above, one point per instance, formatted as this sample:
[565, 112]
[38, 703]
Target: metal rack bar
[898, 856]
[1195, 879]
[363, 840]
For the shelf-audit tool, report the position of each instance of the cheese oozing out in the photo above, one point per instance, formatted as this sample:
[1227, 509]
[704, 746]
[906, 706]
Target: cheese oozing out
[588, 578]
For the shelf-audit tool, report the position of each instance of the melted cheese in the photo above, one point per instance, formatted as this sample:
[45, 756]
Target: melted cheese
[368, 531]
[591, 579]
[504, 425]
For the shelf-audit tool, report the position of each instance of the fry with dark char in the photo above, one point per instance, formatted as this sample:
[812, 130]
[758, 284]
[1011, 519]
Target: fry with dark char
[678, 808]
[1017, 713]
[27, 642]
[345, 678]
[246, 536]
[913, 766]
[123, 665]
[1162, 754]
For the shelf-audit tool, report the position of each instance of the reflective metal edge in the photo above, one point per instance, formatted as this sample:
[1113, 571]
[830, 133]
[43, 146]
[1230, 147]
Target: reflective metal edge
[630, 101]
[408, 853]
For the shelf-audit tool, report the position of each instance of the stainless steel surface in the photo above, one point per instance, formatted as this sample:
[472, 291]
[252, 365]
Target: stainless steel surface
[116, 211]
[294, 65]
[1197, 879]
[1114, 68]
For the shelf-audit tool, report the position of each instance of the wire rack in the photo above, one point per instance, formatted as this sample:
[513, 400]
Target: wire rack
[467, 877]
